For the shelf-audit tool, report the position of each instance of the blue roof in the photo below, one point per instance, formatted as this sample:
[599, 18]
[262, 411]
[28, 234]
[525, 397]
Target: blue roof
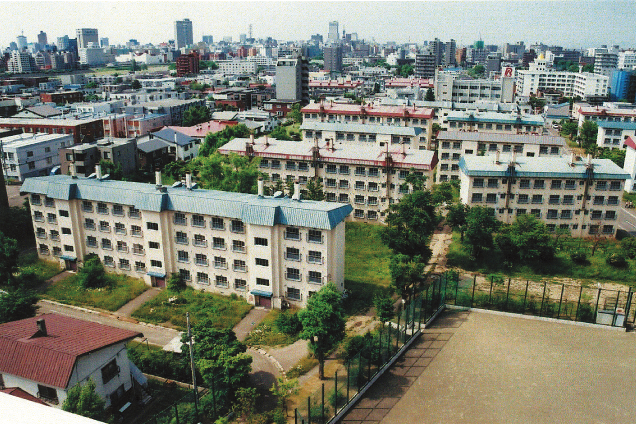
[361, 128]
[261, 293]
[617, 125]
[249, 208]
[156, 274]
[495, 117]
[539, 167]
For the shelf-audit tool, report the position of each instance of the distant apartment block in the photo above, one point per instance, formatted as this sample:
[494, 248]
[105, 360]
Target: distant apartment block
[82, 130]
[119, 151]
[449, 87]
[187, 64]
[31, 155]
[271, 251]
[582, 196]
[500, 122]
[370, 179]
[131, 125]
[62, 97]
[453, 145]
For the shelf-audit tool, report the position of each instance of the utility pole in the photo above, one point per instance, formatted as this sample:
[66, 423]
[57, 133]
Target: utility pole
[4, 199]
[194, 373]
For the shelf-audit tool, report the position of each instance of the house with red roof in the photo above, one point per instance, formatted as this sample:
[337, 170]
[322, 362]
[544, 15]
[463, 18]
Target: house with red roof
[46, 356]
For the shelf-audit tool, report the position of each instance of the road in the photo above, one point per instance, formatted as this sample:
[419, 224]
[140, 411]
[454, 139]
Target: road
[627, 220]
[13, 192]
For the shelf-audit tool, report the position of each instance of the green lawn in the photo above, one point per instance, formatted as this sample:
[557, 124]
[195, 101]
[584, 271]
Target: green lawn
[366, 265]
[267, 334]
[37, 270]
[224, 311]
[562, 266]
[121, 290]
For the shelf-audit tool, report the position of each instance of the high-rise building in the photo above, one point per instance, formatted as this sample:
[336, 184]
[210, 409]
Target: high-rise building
[42, 40]
[292, 78]
[104, 42]
[22, 42]
[605, 63]
[243, 38]
[334, 36]
[183, 33]
[187, 64]
[21, 63]
[424, 65]
[333, 58]
[62, 43]
[85, 36]
[208, 39]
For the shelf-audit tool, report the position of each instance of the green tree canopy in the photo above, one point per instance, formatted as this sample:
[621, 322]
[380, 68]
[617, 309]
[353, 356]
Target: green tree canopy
[588, 134]
[116, 171]
[215, 140]
[526, 239]
[384, 309]
[569, 128]
[410, 223]
[295, 114]
[406, 70]
[480, 226]
[430, 96]
[477, 71]
[92, 274]
[136, 85]
[8, 260]
[588, 68]
[442, 193]
[195, 115]
[233, 172]
[323, 323]
[84, 401]
[406, 273]
[456, 217]
[615, 155]
[17, 303]
[315, 189]
[280, 133]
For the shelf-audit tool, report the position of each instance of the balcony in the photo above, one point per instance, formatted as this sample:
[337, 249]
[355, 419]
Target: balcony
[293, 276]
[315, 238]
[199, 243]
[314, 279]
[181, 240]
[293, 256]
[292, 235]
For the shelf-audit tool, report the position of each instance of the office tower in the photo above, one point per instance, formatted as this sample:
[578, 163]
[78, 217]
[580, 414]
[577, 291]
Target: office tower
[42, 40]
[85, 36]
[292, 78]
[333, 32]
[333, 58]
[208, 39]
[62, 43]
[22, 42]
[104, 42]
[183, 33]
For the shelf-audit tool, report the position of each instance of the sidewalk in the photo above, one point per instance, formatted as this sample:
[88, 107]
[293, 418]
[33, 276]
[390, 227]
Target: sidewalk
[133, 305]
[249, 322]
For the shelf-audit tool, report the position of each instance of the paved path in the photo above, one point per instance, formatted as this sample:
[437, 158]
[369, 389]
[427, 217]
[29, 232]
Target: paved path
[249, 322]
[289, 356]
[133, 305]
[156, 335]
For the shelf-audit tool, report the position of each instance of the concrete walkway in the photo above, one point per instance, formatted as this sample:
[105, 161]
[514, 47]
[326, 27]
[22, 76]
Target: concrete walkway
[249, 322]
[133, 305]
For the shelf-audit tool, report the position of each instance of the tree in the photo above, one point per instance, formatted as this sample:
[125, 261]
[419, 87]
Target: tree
[176, 282]
[215, 140]
[410, 223]
[295, 114]
[195, 115]
[323, 323]
[456, 217]
[536, 103]
[417, 180]
[430, 96]
[91, 84]
[406, 70]
[588, 133]
[569, 128]
[8, 260]
[221, 360]
[92, 275]
[526, 239]
[116, 171]
[615, 155]
[315, 190]
[406, 273]
[136, 85]
[384, 308]
[442, 193]
[234, 173]
[480, 225]
[84, 401]
[245, 404]
[477, 71]
[588, 68]
[17, 303]
[280, 133]
[283, 389]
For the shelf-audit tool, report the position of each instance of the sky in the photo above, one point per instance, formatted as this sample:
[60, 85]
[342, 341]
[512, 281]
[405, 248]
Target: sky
[587, 23]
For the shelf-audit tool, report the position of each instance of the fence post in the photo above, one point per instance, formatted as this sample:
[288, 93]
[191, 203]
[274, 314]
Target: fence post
[419, 315]
[309, 409]
[176, 413]
[472, 299]
[578, 305]
[542, 298]
[348, 373]
[406, 322]
[397, 338]
[490, 294]
[598, 298]
[368, 369]
[618, 296]
[295, 415]
[560, 301]
[427, 303]
[628, 305]
[525, 296]
[322, 405]
[335, 390]
[456, 277]
[507, 293]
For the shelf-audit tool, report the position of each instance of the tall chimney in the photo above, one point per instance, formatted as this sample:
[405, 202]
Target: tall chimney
[98, 171]
[188, 180]
[572, 159]
[403, 149]
[497, 161]
[252, 138]
[296, 195]
[514, 157]
[158, 178]
[41, 327]
[266, 140]
[261, 187]
[589, 158]
[71, 168]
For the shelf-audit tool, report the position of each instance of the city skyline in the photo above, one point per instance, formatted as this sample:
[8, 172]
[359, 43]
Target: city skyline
[566, 23]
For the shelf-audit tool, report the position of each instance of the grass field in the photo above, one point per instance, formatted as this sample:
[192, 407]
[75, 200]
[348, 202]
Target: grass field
[224, 311]
[38, 270]
[121, 290]
[366, 265]
[267, 334]
[562, 266]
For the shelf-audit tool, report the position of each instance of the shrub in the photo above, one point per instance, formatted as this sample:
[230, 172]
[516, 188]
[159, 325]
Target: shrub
[288, 323]
[92, 274]
[176, 282]
[353, 346]
[628, 245]
[616, 260]
[579, 257]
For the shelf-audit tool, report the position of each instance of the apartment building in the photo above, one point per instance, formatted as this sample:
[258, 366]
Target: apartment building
[453, 145]
[370, 179]
[580, 195]
[84, 157]
[236, 66]
[499, 122]
[630, 163]
[614, 134]
[364, 134]
[126, 125]
[609, 112]
[29, 155]
[571, 84]
[368, 114]
[268, 250]
[452, 87]
[81, 129]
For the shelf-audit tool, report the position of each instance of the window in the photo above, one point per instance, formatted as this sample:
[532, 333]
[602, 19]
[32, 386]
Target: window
[343, 184]
[239, 265]
[615, 185]
[373, 172]
[523, 198]
[219, 262]
[539, 184]
[181, 238]
[331, 169]
[107, 244]
[240, 284]
[49, 394]
[198, 221]
[44, 250]
[292, 254]
[49, 203]
[140, 266]
[87, 206]
[104, 226]
[237, 226]
[102, 208]
[153, 245]
[314, 257]
[491, 198]
[524, 183]
[262, 281]
[38, 216]
[566, 214]
[40, 233]
[303, 166]
[51, 218]
[180, 219]
[155, 263]
[552, 214]
[293, 294]
[199, 240]
[343, 198]
[612, 200]
[134, 213]
[152, 226]
[360, 171]
[315, 277]
[537, 198]
[570, 184]
[259, 241]
[330, 182]
[293, 274]
[185, 274]
[221, 281]
[57, 251]
[202, 278]
[124, 263]
[608, 229]
[344, 169]
[90, 241]
[138, 249]
[217, 223]
[554, 199]
[292, 233]
[477, 197]
[118, 210]
[64, 213]
[610, 215]
[555, 184]
[218, 243]
[601, 185]
[358, 199]
[262, 262]
[314, 236]
[275, 164]
[182, 256]
[331, 197]
[35, 199]
[478, 182]
[238, 246]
